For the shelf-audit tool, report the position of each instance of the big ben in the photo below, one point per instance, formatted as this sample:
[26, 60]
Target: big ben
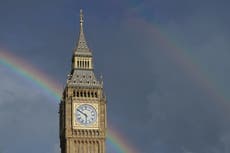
[83, 106]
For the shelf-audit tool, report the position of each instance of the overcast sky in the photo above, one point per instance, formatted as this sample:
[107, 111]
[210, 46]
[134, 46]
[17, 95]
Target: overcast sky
[165, 66]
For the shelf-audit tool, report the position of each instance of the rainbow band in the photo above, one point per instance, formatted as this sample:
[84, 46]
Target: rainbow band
[184, 60]
[53, 89]
[119, 142]
[28, 72]
[190, 66]
[177, 54]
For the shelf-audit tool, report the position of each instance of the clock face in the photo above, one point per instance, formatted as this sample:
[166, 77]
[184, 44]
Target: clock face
[85, 114]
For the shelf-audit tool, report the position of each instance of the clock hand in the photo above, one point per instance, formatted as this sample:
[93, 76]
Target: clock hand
[82, 112]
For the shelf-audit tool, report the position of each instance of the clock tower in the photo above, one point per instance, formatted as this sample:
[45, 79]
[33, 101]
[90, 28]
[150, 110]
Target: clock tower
[83, 106]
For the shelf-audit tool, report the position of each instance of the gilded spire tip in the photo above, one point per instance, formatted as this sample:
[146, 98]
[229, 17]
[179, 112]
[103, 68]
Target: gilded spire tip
[81, 16]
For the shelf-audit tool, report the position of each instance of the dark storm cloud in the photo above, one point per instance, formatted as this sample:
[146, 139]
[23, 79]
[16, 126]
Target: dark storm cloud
[184, 117]
[25, 122]
[152, 100]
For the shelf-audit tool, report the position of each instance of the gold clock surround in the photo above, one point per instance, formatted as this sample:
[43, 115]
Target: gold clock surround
[77, 125]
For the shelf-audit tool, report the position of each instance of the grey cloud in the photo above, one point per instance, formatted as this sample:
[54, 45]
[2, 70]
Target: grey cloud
[182, 112]
[152, 100]
[28, 119]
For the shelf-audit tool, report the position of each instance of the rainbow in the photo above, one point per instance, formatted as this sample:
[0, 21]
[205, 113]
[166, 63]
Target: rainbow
[29, 72]
[184, 60]
[115, 139]
[24, 69]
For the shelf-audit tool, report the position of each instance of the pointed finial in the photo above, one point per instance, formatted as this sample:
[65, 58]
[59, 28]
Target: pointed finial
[101, 77]
[81, 16]
[82, 44]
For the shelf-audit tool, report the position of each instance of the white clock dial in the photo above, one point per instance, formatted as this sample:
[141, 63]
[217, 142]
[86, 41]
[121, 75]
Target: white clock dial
[85, 114]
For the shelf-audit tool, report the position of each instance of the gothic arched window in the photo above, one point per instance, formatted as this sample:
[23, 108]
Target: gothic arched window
[74, 93]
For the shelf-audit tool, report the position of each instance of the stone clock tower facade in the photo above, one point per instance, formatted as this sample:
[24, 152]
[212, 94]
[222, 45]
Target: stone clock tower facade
[83, 105]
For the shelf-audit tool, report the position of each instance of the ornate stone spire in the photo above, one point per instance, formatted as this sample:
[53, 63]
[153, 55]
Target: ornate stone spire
[82, 73]
[82, 44]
